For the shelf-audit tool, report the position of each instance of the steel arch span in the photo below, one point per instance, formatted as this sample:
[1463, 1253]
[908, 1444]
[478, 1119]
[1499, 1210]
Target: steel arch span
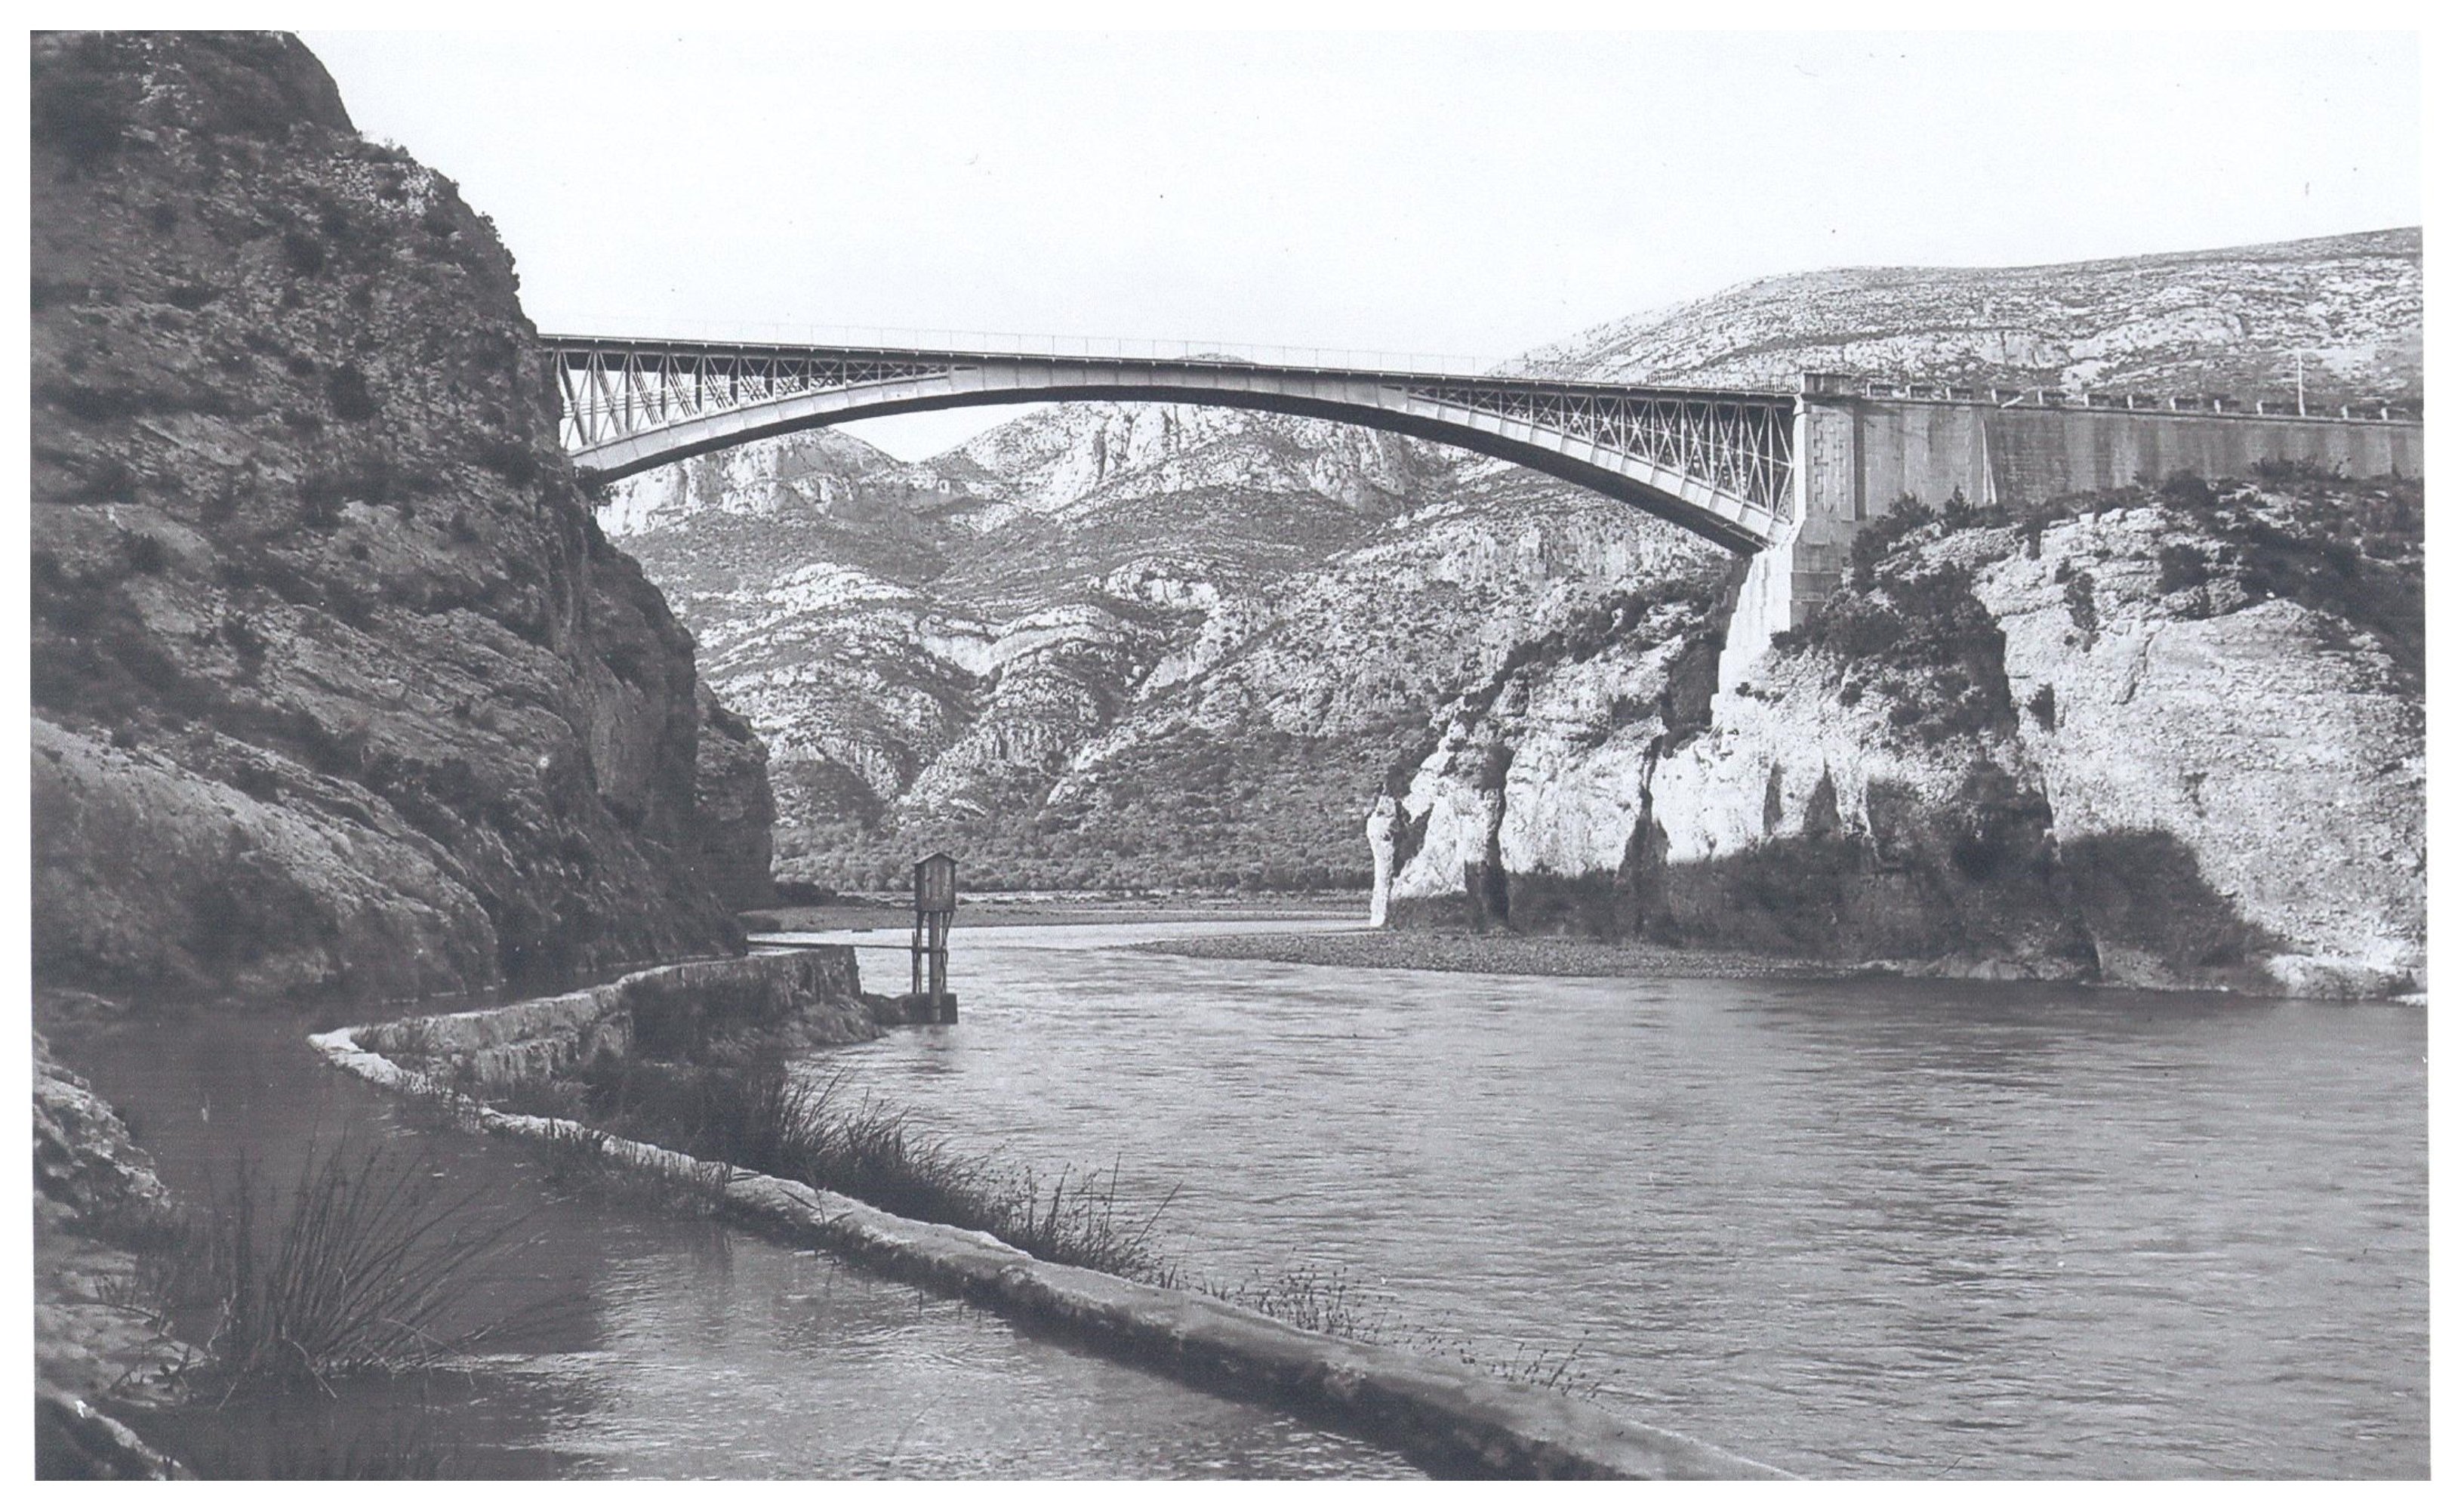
[1719, 462]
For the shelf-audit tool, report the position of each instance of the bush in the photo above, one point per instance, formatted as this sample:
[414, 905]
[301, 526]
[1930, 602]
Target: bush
[346, 390]
[510, 460]
[83, 103]
[321, 499]
[2293, 476]
[2078, 595]
[246, 643]
[2185, 489]
[2179, 567]
[304, 253]
[145, 553]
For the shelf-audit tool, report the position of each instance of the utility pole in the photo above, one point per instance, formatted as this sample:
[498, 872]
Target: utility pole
[2301, 394]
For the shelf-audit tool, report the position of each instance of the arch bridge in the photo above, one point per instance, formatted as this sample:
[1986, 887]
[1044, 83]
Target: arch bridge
[1787, 478]
[1719, 462]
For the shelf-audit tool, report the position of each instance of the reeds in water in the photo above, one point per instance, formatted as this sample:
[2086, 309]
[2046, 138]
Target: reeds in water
[763, 1118]
[358, 1266]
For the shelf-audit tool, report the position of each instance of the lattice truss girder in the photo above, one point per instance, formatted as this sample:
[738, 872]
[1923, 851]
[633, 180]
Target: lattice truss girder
[1743, 448]
[609, 395]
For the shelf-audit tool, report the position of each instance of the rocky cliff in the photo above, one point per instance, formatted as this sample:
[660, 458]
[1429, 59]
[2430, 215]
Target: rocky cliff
[96, 1198]
[338, 686]
[2166, 738]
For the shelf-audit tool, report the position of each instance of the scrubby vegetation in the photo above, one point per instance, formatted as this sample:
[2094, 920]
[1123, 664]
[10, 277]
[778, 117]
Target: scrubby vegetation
[1921, 641]
[1911, 630]
[1250, 810]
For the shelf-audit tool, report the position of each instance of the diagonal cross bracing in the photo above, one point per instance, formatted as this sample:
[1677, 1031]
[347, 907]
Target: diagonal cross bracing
[1719, 461]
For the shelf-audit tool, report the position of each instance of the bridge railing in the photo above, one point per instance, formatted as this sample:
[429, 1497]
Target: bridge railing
[2374, 409]
[1022, 343]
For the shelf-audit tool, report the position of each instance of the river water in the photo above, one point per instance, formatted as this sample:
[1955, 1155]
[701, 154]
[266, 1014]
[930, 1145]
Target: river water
[1868, 1227]
[653, 1345]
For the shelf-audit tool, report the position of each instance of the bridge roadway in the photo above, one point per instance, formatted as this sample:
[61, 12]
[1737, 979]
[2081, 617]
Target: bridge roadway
[1787, 478]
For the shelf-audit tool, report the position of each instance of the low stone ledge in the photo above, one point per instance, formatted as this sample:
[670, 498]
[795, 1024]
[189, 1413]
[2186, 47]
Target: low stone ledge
[1452, 1418]
[815, 991]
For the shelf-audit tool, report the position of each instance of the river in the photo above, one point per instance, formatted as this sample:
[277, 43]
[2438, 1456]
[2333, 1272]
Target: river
[1858, 1228]
[658, 1346]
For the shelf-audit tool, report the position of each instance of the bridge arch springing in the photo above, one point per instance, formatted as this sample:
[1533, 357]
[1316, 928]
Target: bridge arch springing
[1719, 462]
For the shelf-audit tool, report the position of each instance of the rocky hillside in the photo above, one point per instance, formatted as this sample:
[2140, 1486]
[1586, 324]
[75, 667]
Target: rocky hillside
[338, 687]
[2230, 322]
[1114, 645]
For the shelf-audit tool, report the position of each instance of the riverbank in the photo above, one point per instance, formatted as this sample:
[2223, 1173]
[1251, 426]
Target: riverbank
[1500, 955]
[997, 909]
[95, 1194]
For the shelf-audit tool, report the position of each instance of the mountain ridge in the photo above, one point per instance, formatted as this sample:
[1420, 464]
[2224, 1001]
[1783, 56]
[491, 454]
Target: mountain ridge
[2228, 322]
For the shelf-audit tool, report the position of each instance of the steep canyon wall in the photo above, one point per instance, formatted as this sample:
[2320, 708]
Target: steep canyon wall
[338, 687]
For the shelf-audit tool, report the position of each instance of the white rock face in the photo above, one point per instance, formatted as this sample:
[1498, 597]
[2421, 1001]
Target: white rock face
[759, 480]
[2280, 747]
[2281, 750]
[1074, 457]
[1585, 735]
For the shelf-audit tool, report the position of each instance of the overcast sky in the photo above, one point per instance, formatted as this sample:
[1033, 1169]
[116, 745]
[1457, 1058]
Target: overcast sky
[1467, 194]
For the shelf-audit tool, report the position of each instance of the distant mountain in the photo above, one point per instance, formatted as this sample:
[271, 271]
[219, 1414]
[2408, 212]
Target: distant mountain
[1114, 644]
[2229, 322]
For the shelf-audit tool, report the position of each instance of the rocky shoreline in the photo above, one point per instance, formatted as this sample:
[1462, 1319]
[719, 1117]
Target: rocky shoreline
[95, 1194]
[1498, 954]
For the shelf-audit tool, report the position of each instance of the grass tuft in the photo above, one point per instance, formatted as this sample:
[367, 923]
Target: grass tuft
[356, 1268]
[763, 1117]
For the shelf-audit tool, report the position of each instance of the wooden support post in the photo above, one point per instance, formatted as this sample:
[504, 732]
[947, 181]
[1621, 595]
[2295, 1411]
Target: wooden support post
[929, 998]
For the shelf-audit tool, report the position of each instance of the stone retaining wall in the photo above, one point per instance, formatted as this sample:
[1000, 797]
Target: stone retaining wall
[1451, 1418]
[814, 992]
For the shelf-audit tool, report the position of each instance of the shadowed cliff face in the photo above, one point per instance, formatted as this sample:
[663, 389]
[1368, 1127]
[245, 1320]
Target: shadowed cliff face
[338, 688]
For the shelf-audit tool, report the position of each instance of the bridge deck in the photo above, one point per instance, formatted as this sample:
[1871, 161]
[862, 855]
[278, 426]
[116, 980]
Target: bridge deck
[577, 351]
